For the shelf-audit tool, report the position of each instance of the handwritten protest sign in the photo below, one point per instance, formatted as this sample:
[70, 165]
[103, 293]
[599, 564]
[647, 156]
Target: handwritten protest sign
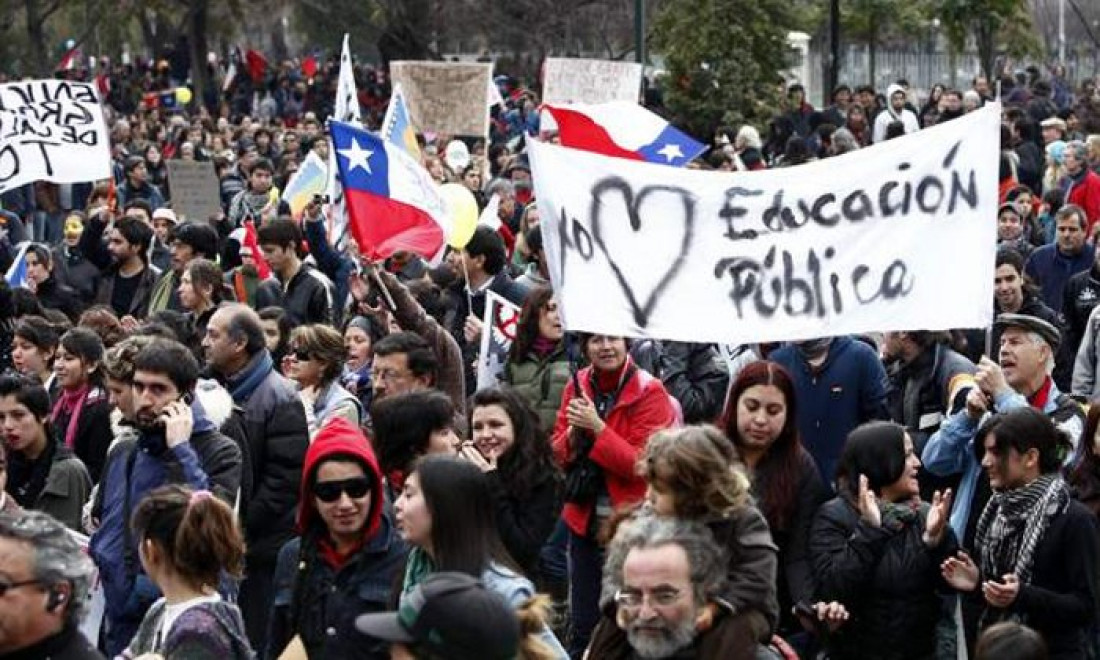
[895, 237]
[195, 191]
[567, 80]
[498, 331]
[445, 97]
[51, 130]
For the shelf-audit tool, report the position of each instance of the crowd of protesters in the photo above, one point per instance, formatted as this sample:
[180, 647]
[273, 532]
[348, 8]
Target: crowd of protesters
[300, 464]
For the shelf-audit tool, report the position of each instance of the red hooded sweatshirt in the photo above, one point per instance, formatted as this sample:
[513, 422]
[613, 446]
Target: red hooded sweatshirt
[339, 438]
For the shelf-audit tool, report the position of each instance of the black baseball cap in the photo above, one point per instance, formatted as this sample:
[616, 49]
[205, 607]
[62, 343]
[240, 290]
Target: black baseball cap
[451, 615]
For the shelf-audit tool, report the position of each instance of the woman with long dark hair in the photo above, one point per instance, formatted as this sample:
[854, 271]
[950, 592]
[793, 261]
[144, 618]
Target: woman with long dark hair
[81, 418]
[447, 514]
[538, 367]
[761, 418]
[877, 549]
[515, 455]
[51, 293]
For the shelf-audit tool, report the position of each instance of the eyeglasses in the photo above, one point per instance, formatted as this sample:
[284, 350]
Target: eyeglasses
[330, 491]
[389, 375]
[632, 600]
[5, 587]
[302, 355]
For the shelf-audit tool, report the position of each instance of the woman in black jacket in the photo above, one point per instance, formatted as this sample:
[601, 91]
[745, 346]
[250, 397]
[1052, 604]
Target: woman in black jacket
[762, 420]
[51, 293]
[525, 482]
[81, 417]
[877, 549]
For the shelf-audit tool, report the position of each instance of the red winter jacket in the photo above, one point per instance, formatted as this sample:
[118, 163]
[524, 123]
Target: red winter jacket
[643, 407]
[1086, 194]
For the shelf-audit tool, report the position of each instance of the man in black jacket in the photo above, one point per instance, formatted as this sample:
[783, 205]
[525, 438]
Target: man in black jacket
[301, 290]
[127, 284]
[1036, 549]
[46, 578]
[694, 374]
[482, 269]
[275, 425]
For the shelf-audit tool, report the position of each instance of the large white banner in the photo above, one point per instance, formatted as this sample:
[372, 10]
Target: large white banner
[568, 80]
[899, 236]
[51, 130]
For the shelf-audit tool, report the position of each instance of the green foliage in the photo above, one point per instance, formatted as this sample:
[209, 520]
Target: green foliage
[995, 25]
[724, 59]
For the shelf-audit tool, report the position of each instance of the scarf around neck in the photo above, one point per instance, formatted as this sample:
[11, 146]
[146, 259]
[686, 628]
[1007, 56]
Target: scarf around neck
[71, 403]
[1014, 522]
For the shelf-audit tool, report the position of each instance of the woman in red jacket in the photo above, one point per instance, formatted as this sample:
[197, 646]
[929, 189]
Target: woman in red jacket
[599, 434]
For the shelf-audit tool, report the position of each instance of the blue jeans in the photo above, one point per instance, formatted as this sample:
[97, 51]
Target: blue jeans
[554, 556]
[585, 579]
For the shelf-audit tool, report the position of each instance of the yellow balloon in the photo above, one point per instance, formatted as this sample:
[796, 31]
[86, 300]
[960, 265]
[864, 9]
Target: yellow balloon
[463, 209]
[183, 95]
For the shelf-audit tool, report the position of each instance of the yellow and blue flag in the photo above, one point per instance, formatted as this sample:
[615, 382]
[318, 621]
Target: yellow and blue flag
[397, 127]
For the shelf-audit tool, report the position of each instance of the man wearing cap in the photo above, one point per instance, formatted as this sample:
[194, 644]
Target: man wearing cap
[137, 186]
[163, 221]
[347, 554]
[1053, 129]
[1023, 378]
[448, 615]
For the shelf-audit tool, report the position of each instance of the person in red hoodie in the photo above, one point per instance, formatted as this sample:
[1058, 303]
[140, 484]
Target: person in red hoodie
[347, 554]
[598, 436]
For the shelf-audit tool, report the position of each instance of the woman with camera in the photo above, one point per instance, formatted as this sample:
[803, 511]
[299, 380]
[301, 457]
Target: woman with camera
[609, 409]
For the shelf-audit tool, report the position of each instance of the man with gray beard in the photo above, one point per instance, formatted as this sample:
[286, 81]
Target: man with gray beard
[660, 575]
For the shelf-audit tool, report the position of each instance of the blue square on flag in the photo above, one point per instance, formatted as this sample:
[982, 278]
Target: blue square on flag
[362, 160]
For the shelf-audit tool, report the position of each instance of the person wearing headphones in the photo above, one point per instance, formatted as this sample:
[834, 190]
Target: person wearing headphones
[44, 583]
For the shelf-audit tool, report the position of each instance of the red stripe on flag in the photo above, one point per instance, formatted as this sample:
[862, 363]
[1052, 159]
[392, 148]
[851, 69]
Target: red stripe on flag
[382, 226]
[579, 131]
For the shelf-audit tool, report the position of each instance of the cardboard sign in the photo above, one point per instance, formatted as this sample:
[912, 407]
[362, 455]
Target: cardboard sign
[196, 194]
[445, 97]
[590, 81]
[52, 130]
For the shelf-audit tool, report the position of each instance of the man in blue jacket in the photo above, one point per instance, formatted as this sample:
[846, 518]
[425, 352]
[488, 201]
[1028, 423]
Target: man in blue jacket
[840, 383]
[173, 443]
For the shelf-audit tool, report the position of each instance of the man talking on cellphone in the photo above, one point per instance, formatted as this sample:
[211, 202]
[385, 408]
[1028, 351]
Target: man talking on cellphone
[175, 443]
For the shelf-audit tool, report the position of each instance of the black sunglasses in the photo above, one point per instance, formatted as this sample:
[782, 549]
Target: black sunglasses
[301, 355]
[330, 491]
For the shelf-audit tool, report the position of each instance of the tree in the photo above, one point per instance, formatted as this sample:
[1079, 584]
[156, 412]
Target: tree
[992, 23]
[724, 59]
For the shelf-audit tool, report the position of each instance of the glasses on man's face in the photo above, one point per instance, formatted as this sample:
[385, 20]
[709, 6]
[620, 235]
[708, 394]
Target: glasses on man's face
[6, 586]
[632, 599]
[389, 375]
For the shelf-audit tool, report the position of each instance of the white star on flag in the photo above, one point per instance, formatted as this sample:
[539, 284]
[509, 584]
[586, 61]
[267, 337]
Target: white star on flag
[357, 157]
[671, 152]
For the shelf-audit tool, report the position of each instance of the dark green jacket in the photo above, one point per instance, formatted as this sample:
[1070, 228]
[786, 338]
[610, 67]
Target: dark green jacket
[541, 381]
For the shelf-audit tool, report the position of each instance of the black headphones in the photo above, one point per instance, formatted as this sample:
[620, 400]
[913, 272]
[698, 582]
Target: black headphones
[55, 600]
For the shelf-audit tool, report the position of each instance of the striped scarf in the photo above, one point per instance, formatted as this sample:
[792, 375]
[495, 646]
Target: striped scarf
[1013, 523]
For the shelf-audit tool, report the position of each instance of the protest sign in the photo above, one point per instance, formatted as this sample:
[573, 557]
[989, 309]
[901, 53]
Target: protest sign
[195, 191]
[900, 236]
[498, 331]
[51, 130]
[310, 179]
[445, 97]
[567, 80]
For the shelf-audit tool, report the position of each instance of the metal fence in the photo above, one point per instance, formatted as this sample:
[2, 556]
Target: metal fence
[922, 67]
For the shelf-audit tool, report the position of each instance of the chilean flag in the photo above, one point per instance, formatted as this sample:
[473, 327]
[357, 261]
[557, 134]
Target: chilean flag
[393, 203]
[623, 129]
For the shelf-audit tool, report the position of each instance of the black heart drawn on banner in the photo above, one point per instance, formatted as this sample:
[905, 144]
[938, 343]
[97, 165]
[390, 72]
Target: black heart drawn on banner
[633, 204]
